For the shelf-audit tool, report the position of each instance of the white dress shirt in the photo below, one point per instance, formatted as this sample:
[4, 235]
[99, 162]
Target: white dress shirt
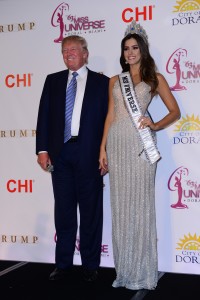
[81, 83]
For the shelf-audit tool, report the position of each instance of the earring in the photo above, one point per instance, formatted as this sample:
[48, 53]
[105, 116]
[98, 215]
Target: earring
[126, 62]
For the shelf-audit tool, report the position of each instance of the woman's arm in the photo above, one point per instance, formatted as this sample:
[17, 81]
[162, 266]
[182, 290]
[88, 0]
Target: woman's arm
[103, 163]
[170, 102]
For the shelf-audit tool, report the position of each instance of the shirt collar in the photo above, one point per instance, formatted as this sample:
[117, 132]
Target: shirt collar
[81, 72]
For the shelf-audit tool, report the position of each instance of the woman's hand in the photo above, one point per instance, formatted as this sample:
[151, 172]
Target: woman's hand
[146, 122]
[103, 163]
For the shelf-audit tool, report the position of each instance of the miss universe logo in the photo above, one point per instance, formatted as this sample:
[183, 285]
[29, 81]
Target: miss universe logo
[185, 189]
[182, 69]
[68, 23]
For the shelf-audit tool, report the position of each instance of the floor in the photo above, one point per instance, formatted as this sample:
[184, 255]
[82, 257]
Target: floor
[27, 281]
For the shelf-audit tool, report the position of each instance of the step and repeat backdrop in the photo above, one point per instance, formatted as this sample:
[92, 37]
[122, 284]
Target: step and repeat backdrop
[30, 37]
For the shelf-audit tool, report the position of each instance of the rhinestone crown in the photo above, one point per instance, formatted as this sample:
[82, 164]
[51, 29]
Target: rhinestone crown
[134, 27]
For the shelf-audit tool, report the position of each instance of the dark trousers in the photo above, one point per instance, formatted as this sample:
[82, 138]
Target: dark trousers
[77, 188]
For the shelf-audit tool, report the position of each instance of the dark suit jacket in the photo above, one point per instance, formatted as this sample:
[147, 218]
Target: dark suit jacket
[51, 116]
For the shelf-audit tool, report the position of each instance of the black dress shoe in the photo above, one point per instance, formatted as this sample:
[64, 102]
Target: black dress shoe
[59, 274]
[90, 275]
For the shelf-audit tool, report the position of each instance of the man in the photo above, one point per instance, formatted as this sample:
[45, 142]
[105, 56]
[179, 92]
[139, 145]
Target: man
[71, 148]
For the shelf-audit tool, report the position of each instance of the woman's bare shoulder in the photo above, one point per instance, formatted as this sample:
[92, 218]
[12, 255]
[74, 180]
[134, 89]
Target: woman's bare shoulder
[113, 79]
[160, 77]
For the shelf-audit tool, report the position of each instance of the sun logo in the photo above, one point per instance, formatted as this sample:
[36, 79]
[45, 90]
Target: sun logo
[189, 243]
[188, 124]
[185, 5]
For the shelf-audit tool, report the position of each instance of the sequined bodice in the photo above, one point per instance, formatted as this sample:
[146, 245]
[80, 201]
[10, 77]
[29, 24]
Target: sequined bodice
[143, 96]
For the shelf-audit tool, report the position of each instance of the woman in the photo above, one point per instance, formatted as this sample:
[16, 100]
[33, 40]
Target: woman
[123, 153]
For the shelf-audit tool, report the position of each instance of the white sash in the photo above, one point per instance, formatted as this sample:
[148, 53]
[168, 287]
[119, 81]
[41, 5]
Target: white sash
[145, 134]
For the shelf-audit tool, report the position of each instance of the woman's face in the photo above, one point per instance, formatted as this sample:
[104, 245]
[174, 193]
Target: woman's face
[132, 53]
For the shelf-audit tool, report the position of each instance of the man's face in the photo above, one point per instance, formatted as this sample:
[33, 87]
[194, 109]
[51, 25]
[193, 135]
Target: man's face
[74, 55]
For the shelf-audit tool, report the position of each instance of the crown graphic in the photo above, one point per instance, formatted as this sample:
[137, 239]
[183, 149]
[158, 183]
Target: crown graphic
[134, 27]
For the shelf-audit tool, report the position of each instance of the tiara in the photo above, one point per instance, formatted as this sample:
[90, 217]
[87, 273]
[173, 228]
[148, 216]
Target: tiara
[138, 29]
